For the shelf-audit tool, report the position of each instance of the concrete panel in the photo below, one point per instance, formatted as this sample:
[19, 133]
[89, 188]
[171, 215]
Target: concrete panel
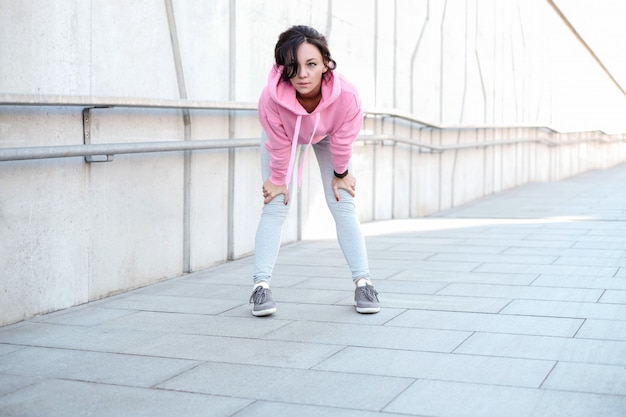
[130, 51]
[353, 44]
[203, 36]
[136, 204]
[136, 222]
[208, 192]
[248, 200]
[45, 47]
[209, 208]
[44, 237]
[43, 126]
[468, 175]
[383, 181]
[427, 168]
[401, 182]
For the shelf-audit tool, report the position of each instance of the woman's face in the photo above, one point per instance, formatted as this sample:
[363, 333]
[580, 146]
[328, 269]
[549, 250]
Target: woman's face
[311, 67]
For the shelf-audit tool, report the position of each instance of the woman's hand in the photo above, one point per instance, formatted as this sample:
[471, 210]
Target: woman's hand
[271, 190]
[347, 183]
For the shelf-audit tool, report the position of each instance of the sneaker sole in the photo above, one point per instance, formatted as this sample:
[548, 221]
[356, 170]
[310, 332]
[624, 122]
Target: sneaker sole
[264, 312]
[367, 310]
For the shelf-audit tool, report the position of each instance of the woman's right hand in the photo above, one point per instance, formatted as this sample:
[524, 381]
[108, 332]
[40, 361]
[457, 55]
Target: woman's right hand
[271, 190]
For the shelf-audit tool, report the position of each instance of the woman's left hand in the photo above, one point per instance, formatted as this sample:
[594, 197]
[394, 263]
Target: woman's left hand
[347, 183]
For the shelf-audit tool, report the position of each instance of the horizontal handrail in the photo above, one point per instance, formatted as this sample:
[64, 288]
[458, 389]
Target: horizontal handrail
[156, 103]
[110, 149]
[93, 101]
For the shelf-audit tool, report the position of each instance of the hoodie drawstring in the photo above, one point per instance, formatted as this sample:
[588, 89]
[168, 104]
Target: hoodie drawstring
[294, 146]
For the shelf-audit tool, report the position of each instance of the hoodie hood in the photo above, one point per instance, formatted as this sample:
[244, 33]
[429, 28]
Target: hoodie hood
[283, 93]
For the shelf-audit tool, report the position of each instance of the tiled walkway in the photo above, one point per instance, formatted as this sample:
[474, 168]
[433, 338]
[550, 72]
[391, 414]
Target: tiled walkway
[511, 306]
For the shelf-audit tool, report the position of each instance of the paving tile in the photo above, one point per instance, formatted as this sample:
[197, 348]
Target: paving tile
[496, 258]
[603, 329]
[399, 255]
[450, 248]
[558, 235]
[431, 266]
[482, 322]
[83, 316]
[546, 348]
[441, 366]
[579, 253]
[173, 323]
[601, 238]
[215, 281]
[480, 241]
[75, 337]
[314, 296]
[10, 383]
[522, 292]
[304, 270]
[198, 291]
[59, 398]
[439, 302]
[6, 348]
[281, 409]
[566, 309]
[580, 282]
[323, 256]
[582, 377]
[298, 386]
[108, 368]
[453, 399]
[323, 313]
[566, 270]
[174, 304]
[599, 245]
[591, 261]
[382, 285]
[422, 265]
[370, 336]
[614, 297]
[235, 350]
[466, 277]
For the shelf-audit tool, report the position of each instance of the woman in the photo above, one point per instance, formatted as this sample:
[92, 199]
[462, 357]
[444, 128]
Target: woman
[306, 103]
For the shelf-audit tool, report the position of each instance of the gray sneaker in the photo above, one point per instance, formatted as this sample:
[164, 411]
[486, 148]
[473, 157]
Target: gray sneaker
[366, 299]
[262, 302]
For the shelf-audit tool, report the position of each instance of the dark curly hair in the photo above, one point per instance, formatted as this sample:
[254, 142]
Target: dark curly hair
[286, 50]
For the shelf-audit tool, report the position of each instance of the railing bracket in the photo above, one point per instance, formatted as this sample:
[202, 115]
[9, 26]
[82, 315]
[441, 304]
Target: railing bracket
[87, 136]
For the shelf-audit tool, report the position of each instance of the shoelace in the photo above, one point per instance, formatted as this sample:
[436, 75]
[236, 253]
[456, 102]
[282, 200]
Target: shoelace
[369, 292]
[259, 295]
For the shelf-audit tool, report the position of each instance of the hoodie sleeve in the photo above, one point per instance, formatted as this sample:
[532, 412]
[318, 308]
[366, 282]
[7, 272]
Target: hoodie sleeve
[342, 140]
[278, 144]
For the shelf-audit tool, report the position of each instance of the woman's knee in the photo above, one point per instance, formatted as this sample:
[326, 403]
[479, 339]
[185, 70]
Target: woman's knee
[276, 207]
[345, 205]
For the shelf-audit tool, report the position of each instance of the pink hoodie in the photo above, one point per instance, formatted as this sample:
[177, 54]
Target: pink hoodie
[288, 124]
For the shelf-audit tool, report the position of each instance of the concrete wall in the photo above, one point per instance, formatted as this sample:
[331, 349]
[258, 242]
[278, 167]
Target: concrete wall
[72, 231]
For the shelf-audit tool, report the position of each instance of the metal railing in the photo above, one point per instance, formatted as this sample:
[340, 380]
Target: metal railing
[109, 149]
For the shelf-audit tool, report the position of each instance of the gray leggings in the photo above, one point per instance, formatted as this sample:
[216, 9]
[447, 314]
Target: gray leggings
[268, 235]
